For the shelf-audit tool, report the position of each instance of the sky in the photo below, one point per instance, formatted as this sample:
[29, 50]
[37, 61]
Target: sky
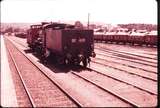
[106, 11]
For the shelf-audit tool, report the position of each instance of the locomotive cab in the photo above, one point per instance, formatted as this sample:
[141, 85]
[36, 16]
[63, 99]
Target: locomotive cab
[33, 34]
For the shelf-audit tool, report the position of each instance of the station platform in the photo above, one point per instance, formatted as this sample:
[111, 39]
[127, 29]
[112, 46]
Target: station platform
[8, 94]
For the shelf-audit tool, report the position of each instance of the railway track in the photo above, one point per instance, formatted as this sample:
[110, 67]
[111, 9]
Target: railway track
[137, 81]
[28, 95]
[21, 94]
[147, 68]
[132, 55]
[141, 50]
[135, 62]
[103, 53]
[126, 62]
[41, 90]
[20, 43]
[143, 67]
[138, 88]
[143, 74]
[148, 72]
[122, 92]
[99, 79]
[108, 97]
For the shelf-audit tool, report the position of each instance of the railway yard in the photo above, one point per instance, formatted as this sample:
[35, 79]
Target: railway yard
[119, 76]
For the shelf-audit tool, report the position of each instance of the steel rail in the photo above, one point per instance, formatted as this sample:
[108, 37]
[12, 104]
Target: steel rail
[122, 53]
[126, 59]
[123, 82]
[116, 78]
[128, 65]
[125, 71]
[52, 80]
[127, 53]
[23, 83]
[109, 91]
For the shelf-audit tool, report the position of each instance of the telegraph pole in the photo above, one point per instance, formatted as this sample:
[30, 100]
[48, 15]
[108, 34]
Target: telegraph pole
[88, 20]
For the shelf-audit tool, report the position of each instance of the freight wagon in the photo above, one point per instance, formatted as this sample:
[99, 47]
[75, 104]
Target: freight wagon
[130, 38]
[151, 38]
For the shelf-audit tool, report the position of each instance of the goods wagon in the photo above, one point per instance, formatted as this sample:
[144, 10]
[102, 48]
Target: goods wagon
[151, 38]
[98, 37]
[120, 37]
[133, 38]
[136, 38]
[109, 37]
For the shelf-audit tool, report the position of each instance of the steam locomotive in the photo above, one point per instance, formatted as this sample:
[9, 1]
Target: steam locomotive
[69, 44]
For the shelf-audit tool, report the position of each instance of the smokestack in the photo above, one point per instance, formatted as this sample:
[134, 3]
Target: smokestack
[88, 20]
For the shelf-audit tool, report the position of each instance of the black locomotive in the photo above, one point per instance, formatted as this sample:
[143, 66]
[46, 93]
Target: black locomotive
[69, 44]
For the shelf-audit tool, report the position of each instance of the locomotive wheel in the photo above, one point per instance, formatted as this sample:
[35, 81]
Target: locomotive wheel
[43, 59]
[44, 56]
[47, 53]
[66, 61]
[84, 62]
[33, 49]
[77, 63]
